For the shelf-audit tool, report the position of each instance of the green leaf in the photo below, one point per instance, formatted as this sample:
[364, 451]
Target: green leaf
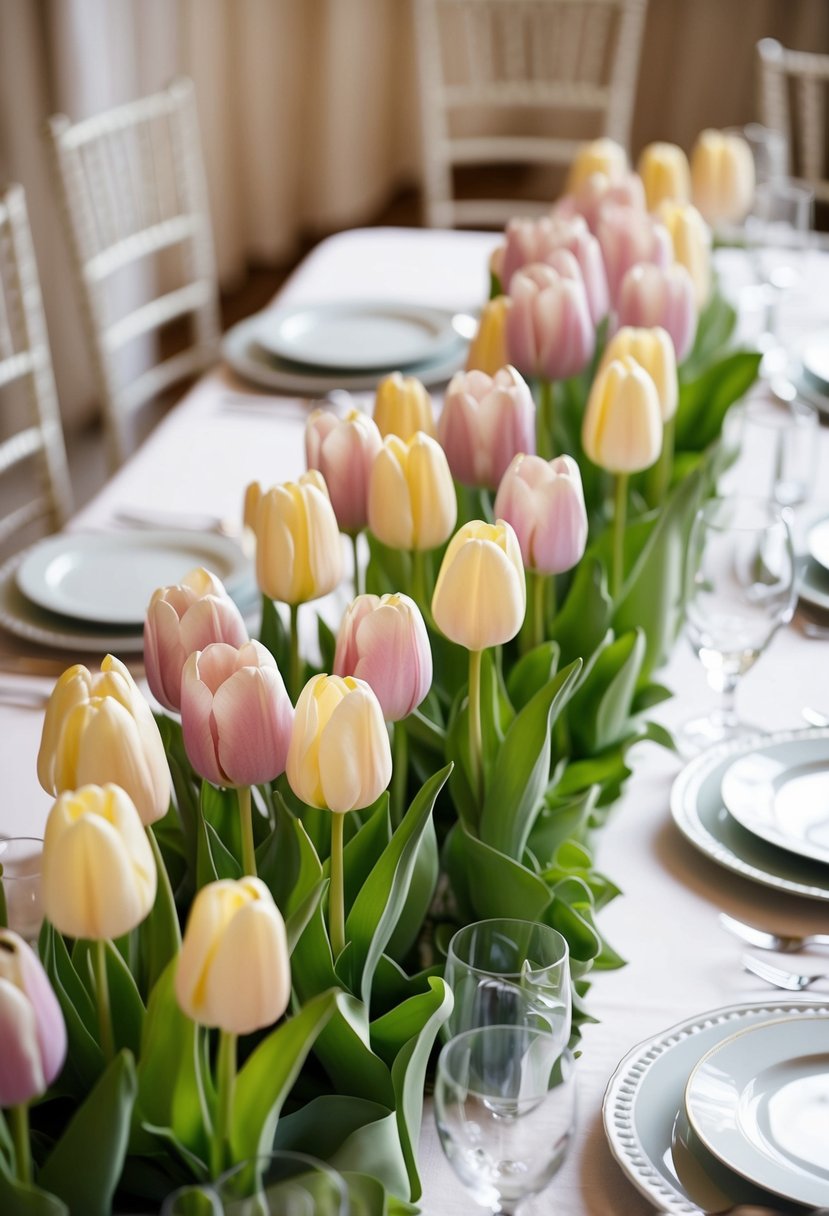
[85, 1164]
[529, 675]
[585, 615]
[20, 1199]
[312, 965]
[127, 1006]
[419, 898]
[345, 1050]
[287, 861]
[298, 921]
[327, 644]
[84, 1058]
[159, 935]
[704, 402]
[714, 329]
[388, 570]
[425, 731]
[562, 819]
[601, 710]
[365, 848]
[495, 885]
[273, 635]
[368, 1197]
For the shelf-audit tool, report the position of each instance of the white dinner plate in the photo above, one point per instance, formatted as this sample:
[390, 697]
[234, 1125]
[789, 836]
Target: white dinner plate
[244, 354]
[108, 577]
[357, 336]
[817, 541]
[644, 1101]
[815, 359]
[781, 793]
[759, 1102]
[812, 584]
[700, 814]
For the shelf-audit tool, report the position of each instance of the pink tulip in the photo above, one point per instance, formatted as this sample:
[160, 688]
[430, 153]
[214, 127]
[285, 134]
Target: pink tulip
[235, 714]
[628, 236]
[549, 331]
[651, 296]
[544, 502]
[182, 619]
[531, 241]
[32, 1030]
[485, 421]
[384, 642]
[598, 192]
[343, 449]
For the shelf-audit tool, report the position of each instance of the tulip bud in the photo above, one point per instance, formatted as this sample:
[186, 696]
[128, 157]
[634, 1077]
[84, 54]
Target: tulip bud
[496, 266]
[597, 192]
[411, 496]
[598, 156]
[722, 176]
[628, 237]
[549, 331]
[32, 1030]
[99, 875]
[233, 971]
[235, 714]
[340, 757]
[691, 238]
[665, 174]
[530, 241]
[484, 423]
[488, 349]
[384, 642]
[651, 296]
[182, 619]
[653, 350]
[253, 497]
[343, 449]
[97, 729]
[480, 594]
[622, 428]
[299, 554]
[402, 407]
[544, 503]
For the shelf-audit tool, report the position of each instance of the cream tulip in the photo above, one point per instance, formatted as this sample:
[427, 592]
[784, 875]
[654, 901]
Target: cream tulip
[654, 351]
[480, 593]
[299, 554]
[403, 407]
[665, 174]
[691, 238]
[488, 349]
[722, 176]
[598, 156]
[411, 497]
[622, 427]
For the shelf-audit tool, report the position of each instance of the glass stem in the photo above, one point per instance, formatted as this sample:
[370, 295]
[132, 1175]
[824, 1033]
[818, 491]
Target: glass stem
[355, 550]
[294, 673]
[19, 1119]
[726, 714]
[102, 997]
[336, 897]
[476, 749]
[225, 1085]
[246, 822]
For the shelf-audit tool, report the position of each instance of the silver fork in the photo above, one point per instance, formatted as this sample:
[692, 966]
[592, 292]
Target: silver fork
[779, 942]
[778, 977]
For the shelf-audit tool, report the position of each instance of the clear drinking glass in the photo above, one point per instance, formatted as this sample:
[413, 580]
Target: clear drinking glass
[769, 149]
[777, 228]
[776, 444]
[510, 972]
[505, 1107]
[742, 585]
[20, 860]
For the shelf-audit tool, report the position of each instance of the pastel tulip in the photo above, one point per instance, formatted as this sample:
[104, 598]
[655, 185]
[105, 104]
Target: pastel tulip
[411, 497]
[339, 757]
[485, 421]
[529, 241]
[651, 295]
[235, 714]
[32, 1029]
[99, 728]
[665, 174]
[691, 238]
[488, 349]
[549, 330]
[253, 497]
[654, 351]
[496, 266]
[233, 971]
[598, 156]
[722, 176]
[628, 237]
[182, 619]
[622, 427]
[403, 407]
[343, 449]
[599, 191]
[544, 503]
[384, 642]
[299, 554]
[98, 878]
[480, 594]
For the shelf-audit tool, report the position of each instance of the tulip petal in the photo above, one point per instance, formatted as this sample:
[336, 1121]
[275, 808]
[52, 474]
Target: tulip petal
[21, 1071]
[354, 753]
[197, 724]
[253, 717]
[248, 981]
[479, 599]
[51, 1028]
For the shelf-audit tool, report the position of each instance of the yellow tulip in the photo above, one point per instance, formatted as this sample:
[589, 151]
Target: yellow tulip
[599, 156]
[98, 877]
[233, 970]
[665, 174]
[480, 594]
[411, 496]
[299, 553]
[98, 729]
[722, 176]
[622, 427]
[403, 407]
[488, 349]
[691, 239]
[253, 497]
[652, 349]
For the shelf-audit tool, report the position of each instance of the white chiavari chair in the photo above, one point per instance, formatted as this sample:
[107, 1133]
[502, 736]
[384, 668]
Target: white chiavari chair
[794, 101]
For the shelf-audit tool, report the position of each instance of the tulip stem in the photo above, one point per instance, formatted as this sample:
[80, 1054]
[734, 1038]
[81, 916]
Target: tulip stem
[246, 821]
[19, 1120]
[337, 892]
[419, 593]
[400, 745]
[355, 549]
[294, 672]
[658, 476]
[539, 584]
[476, 749]
[225, 1085]
[545, 419]
[102, 994]
[619, 515]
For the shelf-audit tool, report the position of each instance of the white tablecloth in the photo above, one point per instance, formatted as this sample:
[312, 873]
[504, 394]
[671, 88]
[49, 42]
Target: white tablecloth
[680, 962]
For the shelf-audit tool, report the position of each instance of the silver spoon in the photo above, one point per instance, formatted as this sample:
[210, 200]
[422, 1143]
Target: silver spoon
[779, 942]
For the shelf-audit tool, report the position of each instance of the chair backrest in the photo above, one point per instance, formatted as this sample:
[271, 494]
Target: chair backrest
[793, 100]
[506, 59]
[31, 425]
[135, 198]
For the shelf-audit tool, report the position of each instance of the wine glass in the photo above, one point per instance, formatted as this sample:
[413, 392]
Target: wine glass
[742, 584]
[20, 862]
[777, 228]
[776, 444]
[510, 972]
[505, 1107]
[769, 150]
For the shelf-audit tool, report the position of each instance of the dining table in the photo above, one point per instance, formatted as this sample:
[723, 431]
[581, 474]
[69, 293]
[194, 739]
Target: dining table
[679, 962]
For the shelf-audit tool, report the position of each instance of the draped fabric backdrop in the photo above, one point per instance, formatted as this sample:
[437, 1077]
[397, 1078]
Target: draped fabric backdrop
[308, 109]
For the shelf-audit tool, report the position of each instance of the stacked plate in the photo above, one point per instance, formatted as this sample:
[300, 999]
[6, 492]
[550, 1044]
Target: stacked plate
[89, 591]
[729, 1107]
[313, 348]
[810, 371]
[813, 563]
